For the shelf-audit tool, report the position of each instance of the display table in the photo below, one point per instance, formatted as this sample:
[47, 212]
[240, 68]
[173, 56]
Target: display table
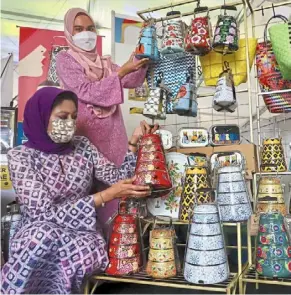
[229, 286]
[250, 275]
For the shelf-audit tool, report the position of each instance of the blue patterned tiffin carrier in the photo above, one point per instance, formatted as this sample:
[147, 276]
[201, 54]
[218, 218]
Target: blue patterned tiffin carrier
[185, 103]
[147, 46]
[232, 195]
[206, 260]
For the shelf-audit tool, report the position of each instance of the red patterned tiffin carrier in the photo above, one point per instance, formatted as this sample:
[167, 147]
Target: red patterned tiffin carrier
[197, 40]
[124, 247]
[151, 168]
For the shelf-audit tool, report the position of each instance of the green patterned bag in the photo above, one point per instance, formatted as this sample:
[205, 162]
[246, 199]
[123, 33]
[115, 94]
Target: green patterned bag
[280, 35]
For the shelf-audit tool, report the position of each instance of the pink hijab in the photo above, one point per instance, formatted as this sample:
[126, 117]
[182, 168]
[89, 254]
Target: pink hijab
[96, 67]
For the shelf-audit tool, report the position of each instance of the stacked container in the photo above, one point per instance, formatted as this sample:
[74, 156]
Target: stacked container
[196, 178]
[206, 260]
[151, 167]
[273, 252]
[232, 195]
[270, 196]
[272, 158]
[162, 258]
[124, 246]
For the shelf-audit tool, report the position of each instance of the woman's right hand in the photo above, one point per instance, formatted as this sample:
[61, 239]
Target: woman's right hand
[131, 66]
[125, 188]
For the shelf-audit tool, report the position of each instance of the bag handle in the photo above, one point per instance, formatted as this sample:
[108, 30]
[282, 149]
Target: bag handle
[159, 79]
[189, 75]
[171, 13]
[197, 154]
[200, 9]
[227, 7]
[170, 221]
[282, 17]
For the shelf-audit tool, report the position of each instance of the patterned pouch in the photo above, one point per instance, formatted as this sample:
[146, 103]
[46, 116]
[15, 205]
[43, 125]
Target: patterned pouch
[173, 36]
[155, 107]
[224, 98]
[185, 103]
[197, 40]
[174, 72]
[226, 33]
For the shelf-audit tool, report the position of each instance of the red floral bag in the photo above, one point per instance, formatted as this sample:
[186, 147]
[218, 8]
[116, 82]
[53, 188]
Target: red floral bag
[197, 40]
[270, 77]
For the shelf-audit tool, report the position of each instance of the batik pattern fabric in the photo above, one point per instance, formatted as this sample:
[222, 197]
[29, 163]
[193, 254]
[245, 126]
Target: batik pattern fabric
[59, 240]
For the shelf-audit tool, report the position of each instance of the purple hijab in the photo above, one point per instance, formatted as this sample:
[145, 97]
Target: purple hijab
[36, 119]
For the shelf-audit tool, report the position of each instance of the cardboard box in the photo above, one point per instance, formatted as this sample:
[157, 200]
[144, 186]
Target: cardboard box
[249, 151]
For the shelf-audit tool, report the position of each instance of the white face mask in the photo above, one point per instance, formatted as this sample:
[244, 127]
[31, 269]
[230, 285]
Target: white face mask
[85, 40]
[62, 130]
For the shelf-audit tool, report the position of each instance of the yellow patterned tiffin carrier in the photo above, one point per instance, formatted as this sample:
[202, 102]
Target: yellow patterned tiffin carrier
[270, 196]
[161, 260]
[196, 178]
[272, 157]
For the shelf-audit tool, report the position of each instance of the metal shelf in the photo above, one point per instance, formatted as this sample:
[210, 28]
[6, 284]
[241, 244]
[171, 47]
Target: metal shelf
[274, 173]
[178, 222]
[250, 275]
[228, 286]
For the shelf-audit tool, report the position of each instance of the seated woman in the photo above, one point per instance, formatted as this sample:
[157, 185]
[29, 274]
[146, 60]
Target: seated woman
[58, 240]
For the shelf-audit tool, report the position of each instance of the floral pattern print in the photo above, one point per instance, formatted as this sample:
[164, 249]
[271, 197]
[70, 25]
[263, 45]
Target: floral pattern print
[124, 249]
[161, 243]
[273, 251]
[161, 270]
[226, 34]
[173, 38]
[197, 40]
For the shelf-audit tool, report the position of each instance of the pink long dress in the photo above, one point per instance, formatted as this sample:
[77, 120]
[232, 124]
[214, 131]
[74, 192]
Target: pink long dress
[107, 134]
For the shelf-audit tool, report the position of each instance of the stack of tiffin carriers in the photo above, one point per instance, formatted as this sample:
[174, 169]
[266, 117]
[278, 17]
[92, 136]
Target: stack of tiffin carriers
[151, 168]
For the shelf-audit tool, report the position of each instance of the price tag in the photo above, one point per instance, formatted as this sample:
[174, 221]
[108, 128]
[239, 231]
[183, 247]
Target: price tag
[5, 178]
[254, 225]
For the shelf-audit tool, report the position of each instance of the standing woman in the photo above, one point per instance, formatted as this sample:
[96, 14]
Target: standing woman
[99, 85]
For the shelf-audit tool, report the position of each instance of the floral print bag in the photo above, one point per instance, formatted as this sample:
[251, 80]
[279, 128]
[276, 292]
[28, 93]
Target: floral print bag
[226, 35]
[173, 36]
[197, 40]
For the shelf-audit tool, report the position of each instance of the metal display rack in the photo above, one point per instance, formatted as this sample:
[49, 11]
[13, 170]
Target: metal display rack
[249, 275]
[230, 286]
[237, 282]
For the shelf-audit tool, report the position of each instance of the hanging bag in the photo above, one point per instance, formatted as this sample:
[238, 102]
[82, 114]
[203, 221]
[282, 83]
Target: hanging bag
[155, 107]
[211, 63]
[147, 46]
[173, 36]
[270, 77]
[197, 40]
[226, 33]
[185, 103]
[280, 36]
[224, 98]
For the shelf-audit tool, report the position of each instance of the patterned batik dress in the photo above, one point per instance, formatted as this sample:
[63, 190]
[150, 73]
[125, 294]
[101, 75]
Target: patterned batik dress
[58, 240]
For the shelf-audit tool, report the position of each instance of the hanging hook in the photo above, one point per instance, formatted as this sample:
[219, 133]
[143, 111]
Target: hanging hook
[263, 14]
[273, 7]
[199, 69]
